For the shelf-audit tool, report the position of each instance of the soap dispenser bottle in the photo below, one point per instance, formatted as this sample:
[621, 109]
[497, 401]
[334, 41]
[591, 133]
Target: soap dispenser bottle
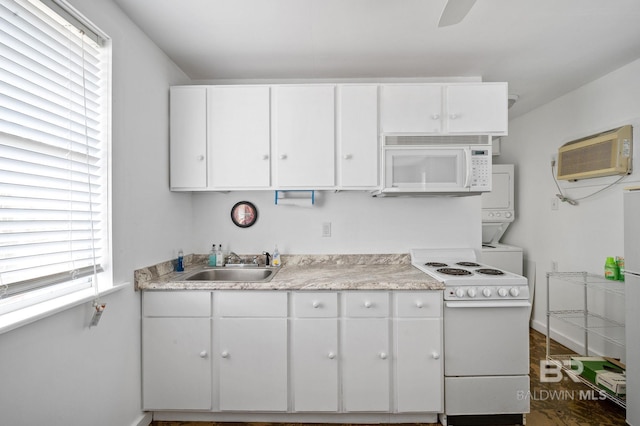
[212, 256]
[276, 257]
[219, 256]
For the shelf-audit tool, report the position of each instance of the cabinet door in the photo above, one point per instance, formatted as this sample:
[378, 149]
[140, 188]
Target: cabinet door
[411, 108]
[239, 135]
[176, 364]
[188, 138]
[305, 136]
[419, 375]
[477, 108]
[253, 364]
[358, 136]
[314, 344]
[366, 365]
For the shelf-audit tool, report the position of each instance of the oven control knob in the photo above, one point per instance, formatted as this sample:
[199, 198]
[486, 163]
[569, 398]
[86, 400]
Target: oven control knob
[514, 292]
[486, 292]
[471, 292]
[459, 292]
[503, 292]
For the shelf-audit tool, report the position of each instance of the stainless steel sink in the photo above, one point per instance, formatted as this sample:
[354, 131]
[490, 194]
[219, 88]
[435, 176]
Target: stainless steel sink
[233, 275]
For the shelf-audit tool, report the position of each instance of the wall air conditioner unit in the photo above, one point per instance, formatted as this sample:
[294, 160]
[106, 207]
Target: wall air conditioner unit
[603, 154]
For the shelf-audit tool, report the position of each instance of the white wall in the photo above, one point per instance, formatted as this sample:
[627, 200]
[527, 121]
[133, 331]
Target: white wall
[57, 371]
[360, 223]
[578, 238]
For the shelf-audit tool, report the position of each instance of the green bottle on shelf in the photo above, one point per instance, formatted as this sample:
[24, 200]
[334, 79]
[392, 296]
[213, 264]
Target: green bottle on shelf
[611, 270]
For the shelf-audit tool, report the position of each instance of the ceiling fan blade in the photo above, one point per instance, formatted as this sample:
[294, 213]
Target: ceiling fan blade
[454, 11]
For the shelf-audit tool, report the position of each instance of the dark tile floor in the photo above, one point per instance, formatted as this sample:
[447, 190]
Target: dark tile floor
[552, 404]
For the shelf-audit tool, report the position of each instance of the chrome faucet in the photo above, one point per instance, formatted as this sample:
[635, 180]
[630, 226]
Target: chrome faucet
[232, 256]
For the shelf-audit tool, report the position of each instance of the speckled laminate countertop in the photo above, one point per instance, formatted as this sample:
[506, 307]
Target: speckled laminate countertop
[304, 272]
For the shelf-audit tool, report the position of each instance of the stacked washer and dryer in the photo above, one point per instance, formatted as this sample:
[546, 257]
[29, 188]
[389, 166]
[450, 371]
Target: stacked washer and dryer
[498, 212]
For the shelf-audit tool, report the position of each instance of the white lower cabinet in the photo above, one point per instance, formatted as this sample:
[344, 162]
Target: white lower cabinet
[314, 354]
[252, 365]
[351, 352]
[176, 347]
[366, 365]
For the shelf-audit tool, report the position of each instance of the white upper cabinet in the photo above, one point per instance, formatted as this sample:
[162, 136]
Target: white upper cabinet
[188, 135]
[238, 137]
[411, 108]
[357, 123]
[461, 108]
[477, 108]
[304, 134]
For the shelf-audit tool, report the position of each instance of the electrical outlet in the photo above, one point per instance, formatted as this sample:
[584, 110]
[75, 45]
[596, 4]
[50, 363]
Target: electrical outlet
[326, 229]
[554, 203]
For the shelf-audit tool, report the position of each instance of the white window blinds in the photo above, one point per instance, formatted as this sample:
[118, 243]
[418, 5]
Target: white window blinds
[52, 150]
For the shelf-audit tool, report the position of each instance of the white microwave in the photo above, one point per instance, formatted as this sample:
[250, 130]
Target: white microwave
[443, 169]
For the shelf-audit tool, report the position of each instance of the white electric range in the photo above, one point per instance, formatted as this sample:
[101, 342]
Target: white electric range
[486, 337]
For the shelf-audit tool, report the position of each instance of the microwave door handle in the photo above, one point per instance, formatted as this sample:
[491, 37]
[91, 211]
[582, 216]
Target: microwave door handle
[467, 168]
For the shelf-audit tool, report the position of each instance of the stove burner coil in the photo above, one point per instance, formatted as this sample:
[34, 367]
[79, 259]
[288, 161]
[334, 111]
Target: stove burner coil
[467, 264]
[489, 271]
[436, 264]
[454, 271]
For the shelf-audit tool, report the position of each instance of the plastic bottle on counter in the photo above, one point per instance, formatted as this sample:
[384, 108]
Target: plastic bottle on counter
[620, 263]
[212, 256]
[275, 261]
[219, 256]
[180, 264]
[611, 271]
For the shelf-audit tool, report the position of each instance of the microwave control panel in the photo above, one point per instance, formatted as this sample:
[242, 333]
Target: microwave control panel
[480, 170]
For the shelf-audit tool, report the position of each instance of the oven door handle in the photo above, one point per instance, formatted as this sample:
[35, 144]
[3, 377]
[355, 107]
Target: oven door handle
[498, 304]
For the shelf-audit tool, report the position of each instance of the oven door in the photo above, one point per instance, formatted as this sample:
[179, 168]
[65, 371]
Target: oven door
[486, 338]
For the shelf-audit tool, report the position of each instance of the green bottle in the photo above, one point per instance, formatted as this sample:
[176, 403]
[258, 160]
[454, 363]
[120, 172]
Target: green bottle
[611, 270]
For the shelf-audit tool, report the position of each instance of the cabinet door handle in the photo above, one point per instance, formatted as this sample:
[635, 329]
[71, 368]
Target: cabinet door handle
[200, 157]
[454, 116]
[383, 355]
[265, 157]
[419, 304]
[283, 156]
[367, 304]
[315, 304]
[435, 355]
[203, 354]
[435, 116]
[224, 354]
[331, 355]
[347, 156]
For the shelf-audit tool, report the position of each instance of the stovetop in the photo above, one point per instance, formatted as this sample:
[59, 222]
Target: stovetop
[466, 278]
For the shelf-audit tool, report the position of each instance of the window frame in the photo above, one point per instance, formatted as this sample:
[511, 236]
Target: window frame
[26, 306]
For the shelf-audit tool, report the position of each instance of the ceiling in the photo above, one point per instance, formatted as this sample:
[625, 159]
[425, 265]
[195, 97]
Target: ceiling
[542, 48]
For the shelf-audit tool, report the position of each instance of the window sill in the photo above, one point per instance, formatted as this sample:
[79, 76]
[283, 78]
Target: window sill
[15, 319]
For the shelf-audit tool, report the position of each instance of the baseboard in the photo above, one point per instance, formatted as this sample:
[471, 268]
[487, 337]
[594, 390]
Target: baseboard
[563, 339]
[145, 419]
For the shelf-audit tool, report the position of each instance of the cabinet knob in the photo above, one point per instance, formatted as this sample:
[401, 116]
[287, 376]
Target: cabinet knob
[283, 156]
[453, 116]
[383, 355]
[435, 116]
[315, 304]
[419, 304]
[200, 157]
[435, 355]
[347, 156]
[224, 354]
[203, 354]
[331, 355]
[367, 304]
[265, 157]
